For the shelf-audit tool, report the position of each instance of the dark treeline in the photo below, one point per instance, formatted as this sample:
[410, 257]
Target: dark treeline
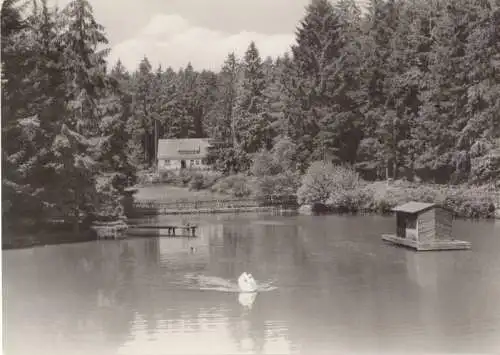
[409, 89]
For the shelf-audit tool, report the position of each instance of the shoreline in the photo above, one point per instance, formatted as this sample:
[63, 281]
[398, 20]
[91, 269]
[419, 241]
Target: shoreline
[370, 198]
[328, 211]
[475, 204]
[466, 201]
[33, 240]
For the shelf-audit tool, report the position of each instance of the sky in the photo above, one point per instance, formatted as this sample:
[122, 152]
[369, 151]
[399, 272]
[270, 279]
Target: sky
[202, 32]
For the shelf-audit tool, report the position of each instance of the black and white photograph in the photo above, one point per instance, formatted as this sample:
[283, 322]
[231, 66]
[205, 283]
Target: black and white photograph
[229, 177]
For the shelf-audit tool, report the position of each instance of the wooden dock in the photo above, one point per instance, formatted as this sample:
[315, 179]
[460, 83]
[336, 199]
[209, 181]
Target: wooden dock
[427, 246]
[156, 229]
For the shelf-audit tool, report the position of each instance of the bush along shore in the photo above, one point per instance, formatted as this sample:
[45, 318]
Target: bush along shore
[330, 188]
[324, 188]
[381, 197]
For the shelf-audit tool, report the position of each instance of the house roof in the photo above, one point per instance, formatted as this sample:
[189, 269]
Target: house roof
[414, 207]
[188, 148]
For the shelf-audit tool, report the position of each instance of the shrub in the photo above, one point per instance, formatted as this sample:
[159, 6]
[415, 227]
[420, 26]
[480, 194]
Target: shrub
[386, 197]
[146, 177]
[264, 164]
[234, 185]
[281, 185]
[316, 184]
[203, 180]
[167, 177]
[230, 160]
[471, 203]
[184, 177]
[197, 182]
[464, 201]
[322, 180]
[211, 178]
[284, 153]
[354, 200]
[108, 203]
[174, 178]
[427, 194]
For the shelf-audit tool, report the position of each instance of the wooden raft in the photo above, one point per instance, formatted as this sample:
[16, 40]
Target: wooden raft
[428, 246]
[423, 227]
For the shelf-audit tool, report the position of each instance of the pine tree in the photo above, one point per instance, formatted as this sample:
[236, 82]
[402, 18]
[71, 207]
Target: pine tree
[116, 107]
[322, 94]
[482, 124]
[76, 146]
[252, 121]
[383, 126]
[142, 125]
[170, 104]
[32, 100]
[192, 126]
[443, 96]
[206, 92]
[222, 117]
[224, 120]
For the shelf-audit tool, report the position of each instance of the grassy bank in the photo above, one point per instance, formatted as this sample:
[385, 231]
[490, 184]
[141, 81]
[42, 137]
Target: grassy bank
[167, 192]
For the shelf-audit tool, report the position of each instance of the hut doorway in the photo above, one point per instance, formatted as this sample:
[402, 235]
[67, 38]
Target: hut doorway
[183, 164]
[406, 225]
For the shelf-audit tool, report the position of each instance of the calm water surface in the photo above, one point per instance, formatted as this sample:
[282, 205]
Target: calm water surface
[337, 289]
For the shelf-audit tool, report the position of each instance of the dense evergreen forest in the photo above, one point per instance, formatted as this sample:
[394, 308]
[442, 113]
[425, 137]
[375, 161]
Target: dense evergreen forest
[408, 89]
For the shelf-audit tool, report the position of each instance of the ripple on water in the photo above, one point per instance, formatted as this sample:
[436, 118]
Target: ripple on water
[215, 283]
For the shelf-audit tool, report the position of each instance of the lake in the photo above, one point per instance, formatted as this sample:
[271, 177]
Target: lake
[335, 288]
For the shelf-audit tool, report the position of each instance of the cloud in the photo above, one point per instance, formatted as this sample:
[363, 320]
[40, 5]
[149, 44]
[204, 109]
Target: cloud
[171, 40]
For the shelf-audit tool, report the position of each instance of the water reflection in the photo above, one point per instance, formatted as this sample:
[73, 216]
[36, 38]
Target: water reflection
[339, 289]
[247, 299]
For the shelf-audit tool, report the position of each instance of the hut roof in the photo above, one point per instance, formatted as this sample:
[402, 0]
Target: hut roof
[414, 207]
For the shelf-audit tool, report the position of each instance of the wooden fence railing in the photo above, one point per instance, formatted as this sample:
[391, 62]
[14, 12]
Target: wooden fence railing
[215, 203]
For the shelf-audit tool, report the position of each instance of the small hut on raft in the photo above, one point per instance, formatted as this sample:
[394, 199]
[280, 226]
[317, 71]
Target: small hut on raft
[424, 226]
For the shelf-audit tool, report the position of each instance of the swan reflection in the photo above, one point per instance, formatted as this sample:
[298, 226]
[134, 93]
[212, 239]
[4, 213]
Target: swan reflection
[247, 299]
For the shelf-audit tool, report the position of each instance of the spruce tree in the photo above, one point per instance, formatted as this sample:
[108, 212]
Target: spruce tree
[252, 121]
[76, 146]
[224, 124]
[322, 100]
[142, 124]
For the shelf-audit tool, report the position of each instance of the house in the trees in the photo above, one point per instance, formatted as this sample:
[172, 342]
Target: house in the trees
[178, 154]
[424, 226]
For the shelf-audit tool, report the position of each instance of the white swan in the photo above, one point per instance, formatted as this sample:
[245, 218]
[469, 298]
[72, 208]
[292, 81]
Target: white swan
[247, 283]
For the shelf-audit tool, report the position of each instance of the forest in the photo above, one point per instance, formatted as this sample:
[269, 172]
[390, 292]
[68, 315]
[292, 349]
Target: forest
[404, 90]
